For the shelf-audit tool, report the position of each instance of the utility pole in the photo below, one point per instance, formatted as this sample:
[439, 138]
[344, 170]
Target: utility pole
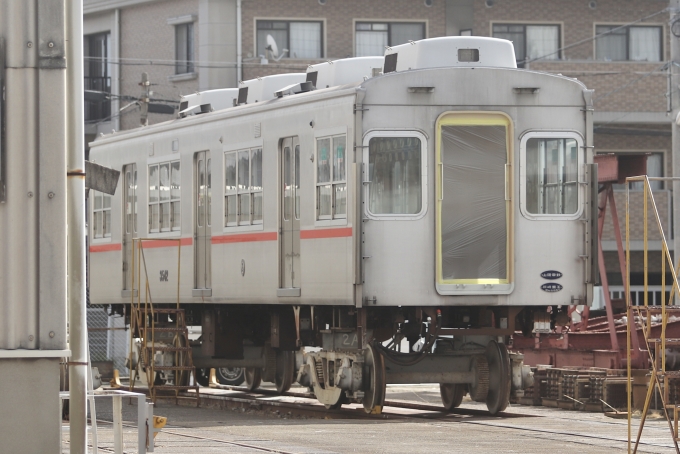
[144, 100]
[674, 7]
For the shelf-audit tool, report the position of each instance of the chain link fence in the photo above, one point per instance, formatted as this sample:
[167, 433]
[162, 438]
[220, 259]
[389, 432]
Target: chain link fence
[108, 338]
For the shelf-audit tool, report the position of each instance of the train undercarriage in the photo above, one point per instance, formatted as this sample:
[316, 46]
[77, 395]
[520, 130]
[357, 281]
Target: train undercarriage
[346, 354]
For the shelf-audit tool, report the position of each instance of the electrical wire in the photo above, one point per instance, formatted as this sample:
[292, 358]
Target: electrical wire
[583, 41]
[644, 76]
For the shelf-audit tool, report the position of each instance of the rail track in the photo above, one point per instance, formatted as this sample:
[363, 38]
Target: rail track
[308, 406]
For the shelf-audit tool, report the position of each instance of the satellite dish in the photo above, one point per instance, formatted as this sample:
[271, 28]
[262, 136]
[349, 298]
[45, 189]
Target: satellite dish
[272, 47]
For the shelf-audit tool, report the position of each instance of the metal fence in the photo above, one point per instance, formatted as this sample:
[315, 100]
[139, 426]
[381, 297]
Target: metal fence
[109, 340]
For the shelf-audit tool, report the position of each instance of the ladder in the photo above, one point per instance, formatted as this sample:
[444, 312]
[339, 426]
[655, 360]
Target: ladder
[165, 352]
[642, 315]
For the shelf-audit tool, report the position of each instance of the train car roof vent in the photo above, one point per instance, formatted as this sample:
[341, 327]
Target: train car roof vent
[265, 88]
[294, 89]
[207, 101]
[343, 72]
[451, 51]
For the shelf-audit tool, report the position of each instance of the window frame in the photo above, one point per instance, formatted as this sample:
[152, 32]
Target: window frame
[240, 224]
[332, 218]
[97, 74]
[660, 28]
[105, 236]
[423, 171]
[172, 231]
[552, 134]
[560, 30]
[288, 21]
[188, 66]
[389, 23]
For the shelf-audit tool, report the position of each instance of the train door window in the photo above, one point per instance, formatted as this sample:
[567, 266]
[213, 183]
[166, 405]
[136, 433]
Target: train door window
[297, 182]
[549, 174]
[131, 199]
[129, 224]
[474, 203]
[164, 197]
[101, 215]
[256, 183]
[395, 175]
[243, 187]
[331, 177]
[208, 191]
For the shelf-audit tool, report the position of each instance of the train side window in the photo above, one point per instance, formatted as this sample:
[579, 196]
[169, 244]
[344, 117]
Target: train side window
[331, 177]
[101, 216]
[164, 197]
[395, 175]
[549, 175]
[243, 187]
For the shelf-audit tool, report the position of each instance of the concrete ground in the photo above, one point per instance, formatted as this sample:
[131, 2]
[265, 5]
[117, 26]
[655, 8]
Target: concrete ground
[520, 430]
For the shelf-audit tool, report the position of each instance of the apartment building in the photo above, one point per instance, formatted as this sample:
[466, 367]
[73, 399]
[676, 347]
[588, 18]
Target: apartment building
[183, 46]
[190, 45]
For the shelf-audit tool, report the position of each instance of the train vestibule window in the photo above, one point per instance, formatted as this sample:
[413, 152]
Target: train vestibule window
[395, 175]
[164, 197]
[243, 187]
[101, 215]
[331, 177]
[551, 180]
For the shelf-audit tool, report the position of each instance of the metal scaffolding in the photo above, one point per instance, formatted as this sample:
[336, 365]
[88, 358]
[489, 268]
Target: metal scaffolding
[641, 315]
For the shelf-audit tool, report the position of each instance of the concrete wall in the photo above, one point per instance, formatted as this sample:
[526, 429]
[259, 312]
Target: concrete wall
[217, 44]
[148, 45]
[30, 418]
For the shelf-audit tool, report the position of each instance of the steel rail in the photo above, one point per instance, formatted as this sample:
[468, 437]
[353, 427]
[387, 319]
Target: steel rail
[250, 398]
[198, 437]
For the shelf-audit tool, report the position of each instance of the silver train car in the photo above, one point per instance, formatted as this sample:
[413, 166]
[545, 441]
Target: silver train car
[438, 197]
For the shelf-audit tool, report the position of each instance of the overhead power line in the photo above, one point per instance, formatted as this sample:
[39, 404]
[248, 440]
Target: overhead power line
[583, 41]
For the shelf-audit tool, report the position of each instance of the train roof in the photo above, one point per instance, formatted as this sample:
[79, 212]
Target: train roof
[341, 77]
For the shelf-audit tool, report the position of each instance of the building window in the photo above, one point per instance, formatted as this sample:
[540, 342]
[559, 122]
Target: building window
[331, 179]
[371, 38]
[395, 173]
[97, 76]
[101, 215]
[654, 169]
[243, 187]
[293, 39]
[184, 48]
[552, 176]
[164, 197]
[531, 41]
[639, 43]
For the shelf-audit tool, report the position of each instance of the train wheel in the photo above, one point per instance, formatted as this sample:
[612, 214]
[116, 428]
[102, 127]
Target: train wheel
[230, 376]
[253, 378]
[203, 377]
[285, 370]
[374, 380]
[499, 377]
[452, 395]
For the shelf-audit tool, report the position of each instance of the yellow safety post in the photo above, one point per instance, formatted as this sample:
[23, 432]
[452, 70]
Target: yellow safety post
[115, 381]
[158, 423]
